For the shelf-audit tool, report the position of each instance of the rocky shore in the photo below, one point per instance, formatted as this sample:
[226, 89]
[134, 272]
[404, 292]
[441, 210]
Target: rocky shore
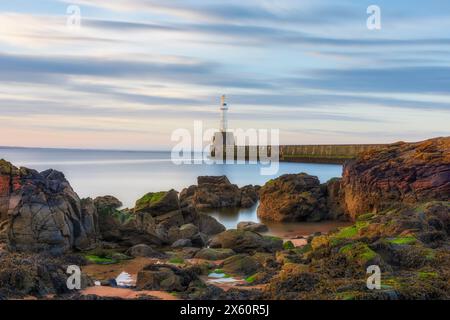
[397, 198]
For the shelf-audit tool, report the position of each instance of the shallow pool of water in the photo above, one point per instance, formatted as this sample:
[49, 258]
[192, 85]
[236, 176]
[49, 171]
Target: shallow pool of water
[230, 217]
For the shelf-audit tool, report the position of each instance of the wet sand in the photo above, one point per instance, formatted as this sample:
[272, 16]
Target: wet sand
[127, 293]
[111, 271]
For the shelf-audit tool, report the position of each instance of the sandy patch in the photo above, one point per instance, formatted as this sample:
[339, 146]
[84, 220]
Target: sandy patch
[126, 293]
[111, 271]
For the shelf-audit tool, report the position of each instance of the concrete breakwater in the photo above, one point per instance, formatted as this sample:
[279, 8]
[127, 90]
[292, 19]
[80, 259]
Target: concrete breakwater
[338, 153]
[333, 154]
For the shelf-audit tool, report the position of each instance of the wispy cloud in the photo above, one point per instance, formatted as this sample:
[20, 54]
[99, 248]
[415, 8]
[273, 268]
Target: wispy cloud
[136, 70]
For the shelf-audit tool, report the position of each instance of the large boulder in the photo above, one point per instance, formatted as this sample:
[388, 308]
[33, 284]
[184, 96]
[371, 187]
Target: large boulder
[218, 192]
[158, 203]
[44, 213]
[119, 225]
[293, 197]
[162, 216]
[209, 225]
[401, 172]
[10, 182]
[245, 241]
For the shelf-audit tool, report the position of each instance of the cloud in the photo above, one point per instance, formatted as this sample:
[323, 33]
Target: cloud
[140, 64]
[433, 79]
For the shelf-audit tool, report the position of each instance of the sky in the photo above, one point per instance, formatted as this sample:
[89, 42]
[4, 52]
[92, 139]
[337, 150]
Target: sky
[136, 70]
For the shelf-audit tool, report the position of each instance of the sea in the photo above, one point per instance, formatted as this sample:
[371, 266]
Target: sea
[128, 175]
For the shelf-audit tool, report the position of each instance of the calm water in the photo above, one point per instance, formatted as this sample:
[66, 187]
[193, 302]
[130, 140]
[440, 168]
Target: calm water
[128, 175]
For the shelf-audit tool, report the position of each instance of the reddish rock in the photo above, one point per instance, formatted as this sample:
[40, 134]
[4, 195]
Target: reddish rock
[293, 197]
[401, 172]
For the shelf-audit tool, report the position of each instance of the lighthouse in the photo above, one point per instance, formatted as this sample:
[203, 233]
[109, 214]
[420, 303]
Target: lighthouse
[223, 140]
[224, 118]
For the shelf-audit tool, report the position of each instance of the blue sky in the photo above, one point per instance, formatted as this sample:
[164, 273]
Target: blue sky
[138, 69]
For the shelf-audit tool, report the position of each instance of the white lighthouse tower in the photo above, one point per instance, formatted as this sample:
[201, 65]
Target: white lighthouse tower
[224, 119]
[223, 140]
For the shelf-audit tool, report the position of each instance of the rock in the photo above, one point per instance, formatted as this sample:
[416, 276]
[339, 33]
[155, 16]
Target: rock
[107, 202]
[252, 226]
[199, 240]
[217, 192]
[109, 226]
[402, 172]
[241, 264]
[44, 213]
[249, 196]
[33, 274]
[10, 183]
[209, 225]
[120, 226]
[160, 215]
[292, 280]
[335, 200]
[212, 192]
[214, 254]
[164, 277]
[143, 250]
[245, 241]
[181, 243]
[158, 203]
[189, 230]
[188, 252]
[293, 197]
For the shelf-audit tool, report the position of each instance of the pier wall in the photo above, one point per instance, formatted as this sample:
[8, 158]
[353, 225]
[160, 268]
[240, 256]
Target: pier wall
[337, 153]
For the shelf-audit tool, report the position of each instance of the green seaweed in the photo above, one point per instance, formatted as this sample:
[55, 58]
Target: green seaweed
[427, 275]
[176, 260]
[288, 245]
[100, 260]
[360, 252]
[150, 198]
[402, 240]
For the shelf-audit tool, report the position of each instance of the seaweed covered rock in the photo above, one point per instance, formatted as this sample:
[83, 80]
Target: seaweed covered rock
[293, 197]
[119, 225]
[409, 243]
[292, 280]
[162, 216]
[37, 275]
[403, 172]
[241, 264]
[242, 241]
